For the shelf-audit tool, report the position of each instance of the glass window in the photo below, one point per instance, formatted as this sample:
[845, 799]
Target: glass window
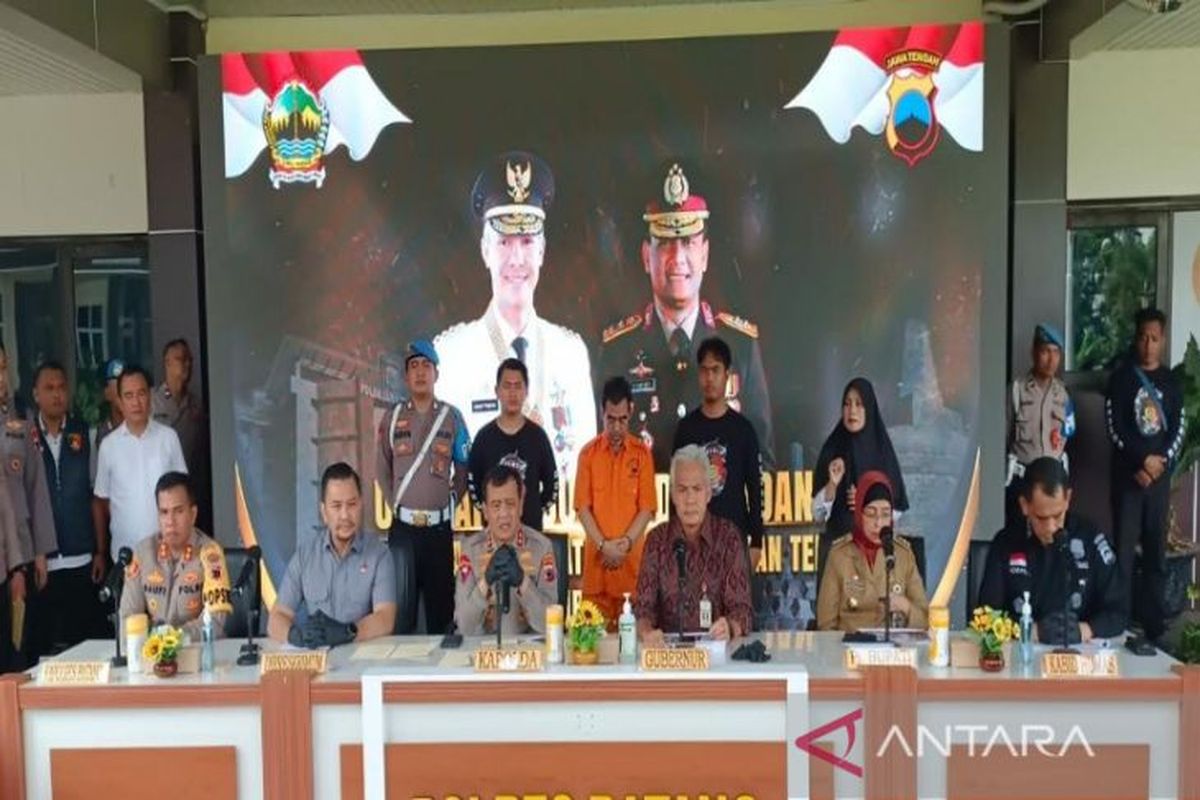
[30, 316]
[1112, 273]
[112, 316]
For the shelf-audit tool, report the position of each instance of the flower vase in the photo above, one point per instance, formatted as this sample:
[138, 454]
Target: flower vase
[991, 661]
[166, 669]
[585, 658]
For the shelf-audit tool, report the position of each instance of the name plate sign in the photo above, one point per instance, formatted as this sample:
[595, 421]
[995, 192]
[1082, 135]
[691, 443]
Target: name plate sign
[674, 659]
[73, 673]
[307, 661]
[510, 659]
[1100, 664]
[880, 656]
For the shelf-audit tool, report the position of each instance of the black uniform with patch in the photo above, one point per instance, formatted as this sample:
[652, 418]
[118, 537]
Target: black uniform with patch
[1017, 562]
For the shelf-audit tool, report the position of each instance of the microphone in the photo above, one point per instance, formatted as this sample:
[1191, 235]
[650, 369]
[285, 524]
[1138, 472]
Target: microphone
[253, 554]
[1060, 540]
[681, 562]
[116, 576]
[888, 538]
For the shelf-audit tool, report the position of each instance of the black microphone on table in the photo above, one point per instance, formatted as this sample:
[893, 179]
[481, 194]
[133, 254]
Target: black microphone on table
[253, 556]
[1063, 545]
[248, 655]
[887, 537]
[111, 592]
[116, 576]
[681, 562]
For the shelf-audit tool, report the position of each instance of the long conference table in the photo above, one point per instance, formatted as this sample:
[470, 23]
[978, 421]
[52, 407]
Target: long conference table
[401, 718]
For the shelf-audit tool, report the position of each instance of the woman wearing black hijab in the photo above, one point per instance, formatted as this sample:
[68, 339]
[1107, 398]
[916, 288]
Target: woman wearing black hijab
[858, 444]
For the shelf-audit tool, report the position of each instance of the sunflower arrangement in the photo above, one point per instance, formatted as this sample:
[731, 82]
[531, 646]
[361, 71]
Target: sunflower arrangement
[586, 627]
[993, 628]
[162, 647]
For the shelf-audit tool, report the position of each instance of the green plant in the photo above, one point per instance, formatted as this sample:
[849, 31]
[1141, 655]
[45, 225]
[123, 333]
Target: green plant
[1187, 372]
[1189, 644]
[1113, 276]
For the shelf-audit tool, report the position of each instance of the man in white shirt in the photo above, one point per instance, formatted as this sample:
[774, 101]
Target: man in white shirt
[132, 459]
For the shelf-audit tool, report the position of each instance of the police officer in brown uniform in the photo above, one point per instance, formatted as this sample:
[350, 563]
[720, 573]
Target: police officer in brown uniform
[178, 571]
[655, 348]
[421, 461]
[25, 480]
[506, 553]
[855, 585]
[14, 553]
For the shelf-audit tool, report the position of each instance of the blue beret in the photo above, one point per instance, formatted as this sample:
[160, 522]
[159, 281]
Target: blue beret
[1048, 334]
[113, 369]
[421, 348]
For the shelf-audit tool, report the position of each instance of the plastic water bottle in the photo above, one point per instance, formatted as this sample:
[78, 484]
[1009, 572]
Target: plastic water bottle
[207, 656]
[1027, 632]
[627, 630]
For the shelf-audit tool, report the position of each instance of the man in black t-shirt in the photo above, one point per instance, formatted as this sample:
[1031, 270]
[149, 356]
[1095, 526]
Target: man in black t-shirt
[735, 463]
[1145, 419]
[515, 441]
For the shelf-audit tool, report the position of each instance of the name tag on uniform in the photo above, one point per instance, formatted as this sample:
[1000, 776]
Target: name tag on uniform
[485, 406]
[644, 386]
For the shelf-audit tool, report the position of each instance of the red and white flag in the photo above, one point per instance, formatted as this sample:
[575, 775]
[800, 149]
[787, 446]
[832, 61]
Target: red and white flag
[851, 87]
[355, 110]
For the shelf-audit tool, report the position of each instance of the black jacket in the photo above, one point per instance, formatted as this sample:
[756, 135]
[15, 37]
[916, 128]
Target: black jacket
[1018, 561]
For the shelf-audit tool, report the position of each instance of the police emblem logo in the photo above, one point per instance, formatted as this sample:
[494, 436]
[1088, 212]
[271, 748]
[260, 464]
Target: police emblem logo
[75, 442]
[518, 177]
[675, 186]
[464, 568]
[912, 128]
[548, 571]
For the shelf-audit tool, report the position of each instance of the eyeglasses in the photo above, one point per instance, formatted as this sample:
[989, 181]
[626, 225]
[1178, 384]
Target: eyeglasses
[875, 514]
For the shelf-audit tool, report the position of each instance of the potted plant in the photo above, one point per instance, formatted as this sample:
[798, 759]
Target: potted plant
[162, 651]
[993, 629]
[586, 631]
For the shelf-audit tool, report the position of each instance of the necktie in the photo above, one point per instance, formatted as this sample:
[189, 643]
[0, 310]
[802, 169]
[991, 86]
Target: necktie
[519, 346]
[680, 343]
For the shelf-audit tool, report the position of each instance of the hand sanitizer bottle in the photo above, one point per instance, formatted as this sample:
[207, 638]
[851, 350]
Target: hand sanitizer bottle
[627, 629]
[207, 656]
[1027, 631]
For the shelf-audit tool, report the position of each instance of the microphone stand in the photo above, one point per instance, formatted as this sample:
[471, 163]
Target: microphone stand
[248, 656]
[500, 589]
[118, 584]
[889, 563]
[1070, 570]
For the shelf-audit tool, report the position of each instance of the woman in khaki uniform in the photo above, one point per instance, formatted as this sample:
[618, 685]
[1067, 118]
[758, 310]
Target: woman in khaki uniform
[854, 584]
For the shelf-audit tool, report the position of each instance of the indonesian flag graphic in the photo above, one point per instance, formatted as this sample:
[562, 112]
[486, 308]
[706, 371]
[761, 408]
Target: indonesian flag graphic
[300, 106]
[907, 83]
